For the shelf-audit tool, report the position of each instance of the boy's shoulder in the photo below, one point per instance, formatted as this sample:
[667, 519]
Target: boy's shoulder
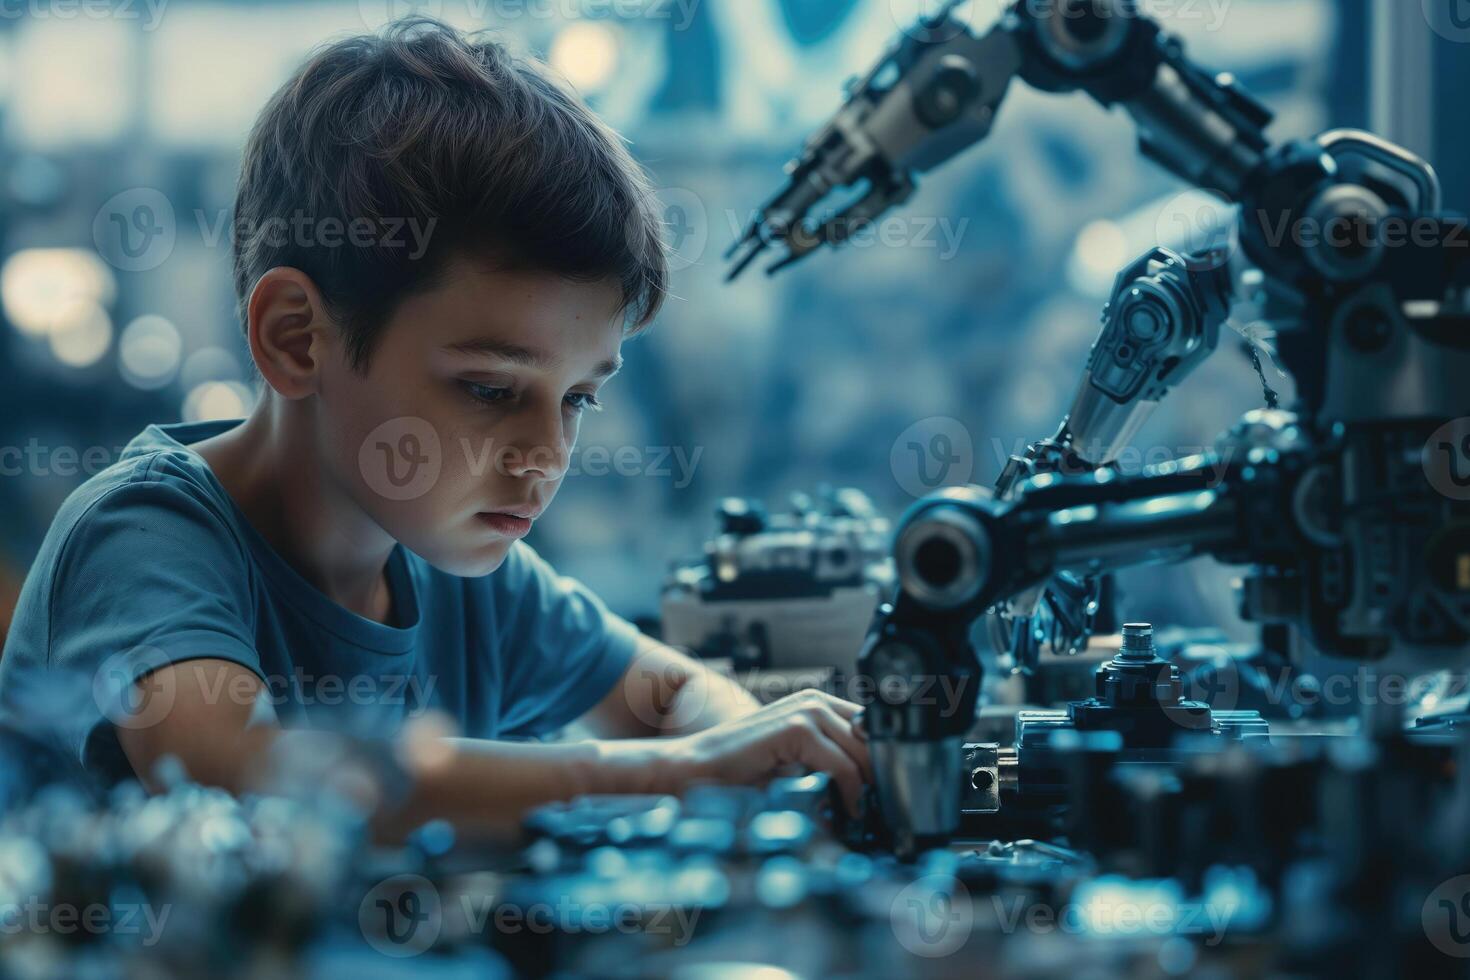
[156, 471]
[129, 541]
[160, 454]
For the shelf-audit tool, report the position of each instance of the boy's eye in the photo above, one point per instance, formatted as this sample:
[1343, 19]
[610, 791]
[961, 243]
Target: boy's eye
[486, 393]
[583, 401]
[579, 401]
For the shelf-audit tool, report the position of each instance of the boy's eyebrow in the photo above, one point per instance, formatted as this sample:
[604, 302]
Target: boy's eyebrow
[527, 356]
[608, 368]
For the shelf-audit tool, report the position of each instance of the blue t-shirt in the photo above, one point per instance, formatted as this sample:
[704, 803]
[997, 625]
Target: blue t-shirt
[150, 562]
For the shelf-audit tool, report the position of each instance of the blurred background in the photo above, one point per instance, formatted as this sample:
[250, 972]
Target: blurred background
[121, 123]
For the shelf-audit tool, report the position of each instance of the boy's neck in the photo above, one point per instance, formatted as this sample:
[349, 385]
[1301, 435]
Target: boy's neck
[270, 466]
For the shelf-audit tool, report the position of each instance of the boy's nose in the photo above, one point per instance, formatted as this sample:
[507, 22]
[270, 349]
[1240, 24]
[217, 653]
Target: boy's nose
[540, 450]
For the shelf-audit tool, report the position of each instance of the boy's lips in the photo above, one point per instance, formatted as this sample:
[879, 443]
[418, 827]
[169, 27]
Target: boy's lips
[525, 513]
[514, 522]
[506, 524]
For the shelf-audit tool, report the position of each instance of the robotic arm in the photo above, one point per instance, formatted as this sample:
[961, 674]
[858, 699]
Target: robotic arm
[936, 92]
[931, 96]
[1163, 321]
[1351, 534]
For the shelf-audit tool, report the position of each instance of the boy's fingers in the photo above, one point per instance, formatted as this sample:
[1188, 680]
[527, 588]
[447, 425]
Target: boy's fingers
[812, 696]
[839, 730]
[846, 709]
[819, 752]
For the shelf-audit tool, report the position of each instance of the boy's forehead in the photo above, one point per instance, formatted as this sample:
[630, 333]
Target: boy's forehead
[536, 319]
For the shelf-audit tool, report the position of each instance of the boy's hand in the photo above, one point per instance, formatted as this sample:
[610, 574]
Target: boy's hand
[223, 741]
[809, 728]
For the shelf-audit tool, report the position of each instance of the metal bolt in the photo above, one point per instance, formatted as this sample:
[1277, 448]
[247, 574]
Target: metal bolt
[1138, 642]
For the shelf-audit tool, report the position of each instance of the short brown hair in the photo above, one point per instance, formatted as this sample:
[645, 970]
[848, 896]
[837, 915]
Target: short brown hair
[425, 124]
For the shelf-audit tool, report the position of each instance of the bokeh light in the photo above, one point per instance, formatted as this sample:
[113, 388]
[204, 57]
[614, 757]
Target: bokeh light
[80, 333]
[209, 364]
[216, 400]
[586, 53]
[149, 352]
[39, 287]
[1101, 253]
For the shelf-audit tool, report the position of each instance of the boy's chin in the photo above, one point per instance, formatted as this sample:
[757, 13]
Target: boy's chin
[463, 563]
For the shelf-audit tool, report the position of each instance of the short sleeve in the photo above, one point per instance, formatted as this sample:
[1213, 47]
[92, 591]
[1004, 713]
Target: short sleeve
[561, 649]
[148, 575]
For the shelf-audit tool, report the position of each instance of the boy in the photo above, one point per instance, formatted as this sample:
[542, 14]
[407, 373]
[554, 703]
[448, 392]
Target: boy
[358, 535]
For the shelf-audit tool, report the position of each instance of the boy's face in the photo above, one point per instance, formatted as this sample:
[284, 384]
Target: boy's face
[470, 409]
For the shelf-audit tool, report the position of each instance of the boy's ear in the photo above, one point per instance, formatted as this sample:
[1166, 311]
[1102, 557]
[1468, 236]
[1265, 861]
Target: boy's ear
[290, 333]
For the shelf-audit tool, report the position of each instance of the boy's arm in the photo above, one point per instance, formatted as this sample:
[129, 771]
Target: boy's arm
[480, 785]
[666, 692]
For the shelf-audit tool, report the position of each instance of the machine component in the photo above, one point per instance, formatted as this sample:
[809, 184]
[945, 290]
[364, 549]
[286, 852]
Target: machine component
[1139, 704]
[1139, 696]
[927, 687]
[783, 592]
